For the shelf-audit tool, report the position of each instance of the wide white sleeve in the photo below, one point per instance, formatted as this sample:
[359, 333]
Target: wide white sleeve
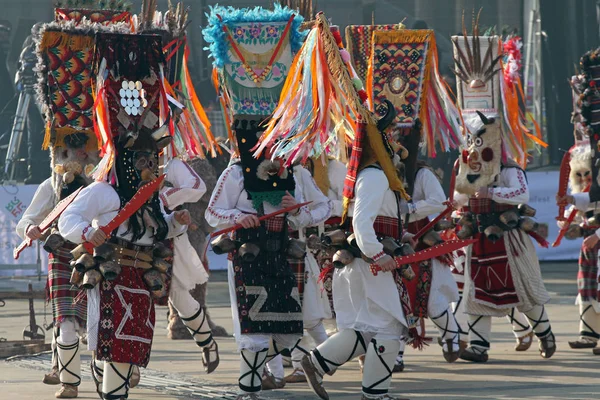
[516, 190]
[320, 208]
[221, 211]
[431, 193]
[188, 187]
[42, 204]
[75, 223]
[371, 186]
[303, 218]
[175, 228]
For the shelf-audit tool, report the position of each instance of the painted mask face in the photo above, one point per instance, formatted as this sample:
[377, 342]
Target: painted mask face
[580, 176]
[480, 162]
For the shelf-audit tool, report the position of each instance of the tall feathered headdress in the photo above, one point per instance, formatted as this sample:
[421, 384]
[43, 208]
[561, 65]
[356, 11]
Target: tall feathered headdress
[491, 82]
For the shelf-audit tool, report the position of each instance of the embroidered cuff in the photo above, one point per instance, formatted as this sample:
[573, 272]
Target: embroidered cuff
[236, 217]
[85, 232]
[378, 256]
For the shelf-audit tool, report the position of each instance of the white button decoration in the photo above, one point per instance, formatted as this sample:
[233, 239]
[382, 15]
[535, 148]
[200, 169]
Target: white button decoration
[133, 97]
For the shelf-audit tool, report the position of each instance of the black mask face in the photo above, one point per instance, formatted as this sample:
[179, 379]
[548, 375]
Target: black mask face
[134, 169]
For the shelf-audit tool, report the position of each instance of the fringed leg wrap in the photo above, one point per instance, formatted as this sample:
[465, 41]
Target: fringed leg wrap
[252, 365]
[480, 328]
[301, 349]
[69, 363]
[115, 384]
[540, 324]
[198, 326]
[379, 363]
[458, 309]
[97, 368]
[589, 322]
[338, 350]
[448, 329]
[519, 323]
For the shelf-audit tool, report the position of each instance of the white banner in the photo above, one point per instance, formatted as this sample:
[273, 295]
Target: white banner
[14, 200]
[543, 187]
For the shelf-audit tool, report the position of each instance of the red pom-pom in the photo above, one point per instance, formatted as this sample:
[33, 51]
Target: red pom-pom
[363, 95]
[596, 137]
[593, 83]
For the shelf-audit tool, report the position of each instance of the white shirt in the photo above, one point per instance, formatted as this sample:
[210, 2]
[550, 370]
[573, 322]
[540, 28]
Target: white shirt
[96, 206]
[229, 202]
[511, 188]
[373, 198]
[320, 208]
[188, 187]
[428, 195]
[43, 202]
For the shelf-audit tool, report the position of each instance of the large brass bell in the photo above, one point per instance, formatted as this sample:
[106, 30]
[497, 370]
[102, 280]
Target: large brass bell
[248, 252]
[342, 257]
[465, 232]
[526, 210]
[510, 218]
[153, 280]
[407, 272]
[296, 249]
[351, 240]
[85, 262]
[432, 238]
[443, 225]
[91, 278]
[104, 252]
[391, 247]
[333, 238]
[110, 270]
[493, 233]
[161, 251]
[528, 225]
[76, 278]
[163, 291]
[222, 244]
[574, 231]
[78, 252]
[53, 242]
[161, 265]
[313, 242]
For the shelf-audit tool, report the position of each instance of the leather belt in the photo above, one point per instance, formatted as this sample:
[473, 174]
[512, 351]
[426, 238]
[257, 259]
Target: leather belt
[132, 255]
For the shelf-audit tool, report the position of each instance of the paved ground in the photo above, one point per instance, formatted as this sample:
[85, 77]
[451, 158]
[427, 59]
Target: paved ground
[175, 370]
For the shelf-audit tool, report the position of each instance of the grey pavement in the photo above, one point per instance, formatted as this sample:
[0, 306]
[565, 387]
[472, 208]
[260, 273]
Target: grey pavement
[175, 370]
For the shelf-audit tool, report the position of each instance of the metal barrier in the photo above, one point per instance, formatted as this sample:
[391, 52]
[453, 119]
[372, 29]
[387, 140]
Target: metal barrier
[27, 267]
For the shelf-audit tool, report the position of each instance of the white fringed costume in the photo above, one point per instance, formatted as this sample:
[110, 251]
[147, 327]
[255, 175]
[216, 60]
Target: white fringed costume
[529, 292]
[369, 313]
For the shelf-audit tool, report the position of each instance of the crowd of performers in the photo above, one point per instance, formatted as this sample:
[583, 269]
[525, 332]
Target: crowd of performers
[327, 210]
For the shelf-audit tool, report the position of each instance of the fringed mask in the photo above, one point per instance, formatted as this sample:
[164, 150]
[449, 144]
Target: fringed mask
[137, 166]
[580, 176]
[72, 164]
[481, 161]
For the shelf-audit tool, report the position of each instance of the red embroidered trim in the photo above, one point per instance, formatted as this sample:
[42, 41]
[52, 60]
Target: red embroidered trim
[195, 175]
[84, 233]
[378, 256]
[217, 194]
[518, 191]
